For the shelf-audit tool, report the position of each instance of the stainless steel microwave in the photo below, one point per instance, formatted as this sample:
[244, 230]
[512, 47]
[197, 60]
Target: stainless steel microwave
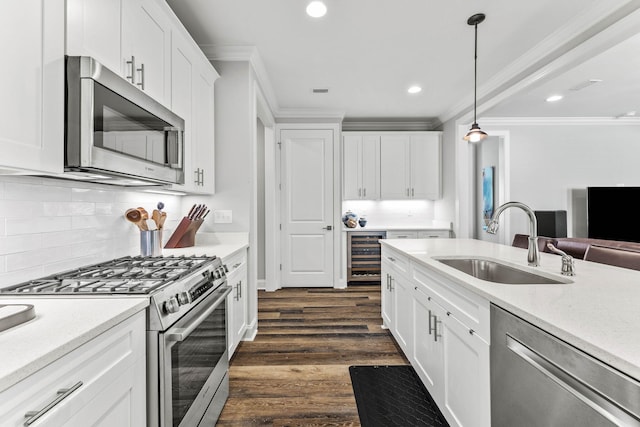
[117, 134]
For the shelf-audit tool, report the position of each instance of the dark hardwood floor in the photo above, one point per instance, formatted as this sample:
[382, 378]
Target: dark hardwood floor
[296, 371]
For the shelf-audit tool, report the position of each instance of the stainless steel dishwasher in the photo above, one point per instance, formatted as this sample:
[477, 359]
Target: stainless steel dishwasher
[539, 380]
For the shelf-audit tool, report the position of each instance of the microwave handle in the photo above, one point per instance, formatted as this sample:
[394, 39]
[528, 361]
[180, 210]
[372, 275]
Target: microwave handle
[180, 334]
[173, 138]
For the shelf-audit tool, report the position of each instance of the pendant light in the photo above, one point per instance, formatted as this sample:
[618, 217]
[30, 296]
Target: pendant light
[475, 134]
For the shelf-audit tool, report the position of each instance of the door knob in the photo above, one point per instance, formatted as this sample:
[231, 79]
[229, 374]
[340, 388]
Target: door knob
[328, 227]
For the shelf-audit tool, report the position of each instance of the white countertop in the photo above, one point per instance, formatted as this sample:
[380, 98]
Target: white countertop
[222, 245]
[599, 312]
[60, 326]
[434, 225]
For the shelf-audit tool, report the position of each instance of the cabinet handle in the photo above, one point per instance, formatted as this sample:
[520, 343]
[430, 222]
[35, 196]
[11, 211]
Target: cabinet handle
[196, 172]
[132, 64]
[359, 192]
[33, 416]
[141, 70]
[436, 335]
[237, 297]
[236, 265]
[240, 288]
[392, 259]
[412, 192]
[364, 192]
[407, 192]
[391, 282]
[201, 176]
[430, 327]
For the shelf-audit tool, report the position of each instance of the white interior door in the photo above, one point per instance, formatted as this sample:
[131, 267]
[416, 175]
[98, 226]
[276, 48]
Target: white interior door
[307, 207]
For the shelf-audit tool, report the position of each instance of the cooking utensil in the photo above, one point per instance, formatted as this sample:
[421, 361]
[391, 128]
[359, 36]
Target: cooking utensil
[163, 217]
[155, 216]
[135, 216]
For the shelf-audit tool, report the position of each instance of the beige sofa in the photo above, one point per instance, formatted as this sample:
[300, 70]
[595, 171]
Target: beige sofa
[612, 252]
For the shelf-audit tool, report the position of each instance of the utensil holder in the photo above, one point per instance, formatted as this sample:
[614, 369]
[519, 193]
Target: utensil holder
[184, 235]
[151, 243]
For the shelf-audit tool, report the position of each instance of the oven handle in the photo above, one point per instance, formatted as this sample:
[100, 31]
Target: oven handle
[180, 334]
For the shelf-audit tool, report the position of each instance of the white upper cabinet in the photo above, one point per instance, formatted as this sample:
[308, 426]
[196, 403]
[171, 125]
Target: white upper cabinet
[32, 113]
[424, 166]
[94, 29]
[361, 166]
[130, 37]
[146, 41]
[192, 98]
[410, 165]
[203, 158]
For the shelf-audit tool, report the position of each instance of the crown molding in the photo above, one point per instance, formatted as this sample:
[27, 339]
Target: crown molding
[251, 55]
[308, 115]
[559, 121]
[592, 32]
[392, 125]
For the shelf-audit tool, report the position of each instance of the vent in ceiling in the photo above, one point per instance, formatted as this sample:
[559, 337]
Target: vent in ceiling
[321, 90]
[584, 84]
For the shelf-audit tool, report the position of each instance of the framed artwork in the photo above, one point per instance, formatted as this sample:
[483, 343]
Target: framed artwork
[487, 194]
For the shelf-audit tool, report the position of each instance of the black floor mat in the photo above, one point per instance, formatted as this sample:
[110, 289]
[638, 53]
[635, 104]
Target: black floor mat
[390, 396]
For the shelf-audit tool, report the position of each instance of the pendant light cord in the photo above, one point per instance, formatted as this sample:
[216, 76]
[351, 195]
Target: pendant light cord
[475, 75]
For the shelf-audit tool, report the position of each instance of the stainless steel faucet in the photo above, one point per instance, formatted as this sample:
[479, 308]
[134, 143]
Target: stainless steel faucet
[533, 255]
[568, 266]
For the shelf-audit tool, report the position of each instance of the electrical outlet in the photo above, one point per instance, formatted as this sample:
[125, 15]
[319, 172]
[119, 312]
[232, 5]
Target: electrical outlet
[223, 216]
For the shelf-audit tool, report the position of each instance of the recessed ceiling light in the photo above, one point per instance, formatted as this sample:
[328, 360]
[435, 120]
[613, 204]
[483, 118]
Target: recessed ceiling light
[414, 89]
[554, 98]
[316, 9]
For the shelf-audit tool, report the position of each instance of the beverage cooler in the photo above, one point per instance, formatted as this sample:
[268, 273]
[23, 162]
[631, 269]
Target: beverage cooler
[363, 256]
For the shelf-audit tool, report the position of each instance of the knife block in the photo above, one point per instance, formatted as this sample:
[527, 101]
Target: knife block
[184, 235]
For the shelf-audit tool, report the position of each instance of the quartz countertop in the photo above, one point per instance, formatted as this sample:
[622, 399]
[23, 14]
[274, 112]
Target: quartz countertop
[373, 226]
[60, 326]
[222, 245]
[598, 312]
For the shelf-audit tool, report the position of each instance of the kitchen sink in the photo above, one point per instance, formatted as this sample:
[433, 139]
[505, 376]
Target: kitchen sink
[497, 272]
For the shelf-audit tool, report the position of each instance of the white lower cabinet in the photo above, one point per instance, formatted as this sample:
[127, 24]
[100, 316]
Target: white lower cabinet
[101, 383]
[444, 331]
[237, 300]
[402, 325]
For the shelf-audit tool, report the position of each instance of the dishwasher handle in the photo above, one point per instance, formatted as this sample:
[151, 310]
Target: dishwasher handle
[574, 385]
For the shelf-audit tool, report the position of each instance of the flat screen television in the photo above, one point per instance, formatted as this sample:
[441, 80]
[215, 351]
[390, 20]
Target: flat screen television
[612, 213]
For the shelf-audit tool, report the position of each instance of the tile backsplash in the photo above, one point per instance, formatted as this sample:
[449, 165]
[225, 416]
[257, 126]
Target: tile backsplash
[50, 225]
[409, 213]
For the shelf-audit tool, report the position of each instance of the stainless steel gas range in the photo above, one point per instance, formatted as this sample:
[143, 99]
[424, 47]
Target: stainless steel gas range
[187, 359]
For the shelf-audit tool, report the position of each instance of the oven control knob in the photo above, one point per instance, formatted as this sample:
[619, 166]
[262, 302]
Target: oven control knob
[171, 305]
[184, 298]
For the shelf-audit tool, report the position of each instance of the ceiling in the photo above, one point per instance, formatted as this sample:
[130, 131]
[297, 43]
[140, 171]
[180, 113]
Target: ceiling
[367, 54]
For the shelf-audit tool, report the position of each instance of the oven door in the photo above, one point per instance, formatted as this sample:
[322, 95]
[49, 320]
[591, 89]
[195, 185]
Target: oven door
[194, 363]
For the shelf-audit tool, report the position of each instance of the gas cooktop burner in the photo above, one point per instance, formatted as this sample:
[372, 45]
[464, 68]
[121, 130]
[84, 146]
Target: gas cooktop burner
[126, 275]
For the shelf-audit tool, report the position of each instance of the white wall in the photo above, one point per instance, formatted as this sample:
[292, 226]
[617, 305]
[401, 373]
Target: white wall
[549, 162]
[50, 225]
[445, 209]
